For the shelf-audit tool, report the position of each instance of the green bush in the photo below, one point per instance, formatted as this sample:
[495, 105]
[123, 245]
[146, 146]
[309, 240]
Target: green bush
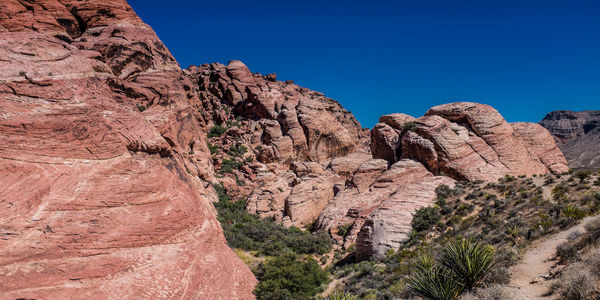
[559, 192]
[432, 281]
[214, 149]
[573, 212]
[229, 164]
[237, 151]
[289, 277]
[425, 217]
[583, 175]
[248, 232]
[216, 131]
[343, 229]
[141, 108]
[409, 126]
[443, 191]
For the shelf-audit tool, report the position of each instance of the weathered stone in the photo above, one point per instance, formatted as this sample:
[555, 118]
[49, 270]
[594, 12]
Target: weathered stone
[385, 142]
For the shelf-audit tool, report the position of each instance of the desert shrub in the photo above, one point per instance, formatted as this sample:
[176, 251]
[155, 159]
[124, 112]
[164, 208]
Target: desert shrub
[229, 164]
[410, 126]
[509, 178]
[248, 232]
[573, 212]
[289, 277]
[499, 275]
[574, 235]
[469, 261]
[443, 191]
[492, 292]
[237, 151]
[235, 122]
[240, 182]
[593, 225]
[141, 108]
[424, 218]
[559, 192]
[582, 175]
[344, 229]
[592, 260]
[214, 149]
[432, 281]
[576, 283]
[566, 251]
[216, 131]
[507, 256]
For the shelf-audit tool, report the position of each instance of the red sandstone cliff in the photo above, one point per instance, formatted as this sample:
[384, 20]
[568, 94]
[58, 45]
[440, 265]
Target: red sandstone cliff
[99, 200]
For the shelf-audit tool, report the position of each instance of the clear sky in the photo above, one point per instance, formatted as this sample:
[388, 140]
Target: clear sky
[525, 58]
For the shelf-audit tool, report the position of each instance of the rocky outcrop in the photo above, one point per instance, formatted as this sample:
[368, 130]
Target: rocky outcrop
[469, 141]
[540, 144]
[103, 162]
[378, 210]
[454, 141]
[577, 134]
[289, 122]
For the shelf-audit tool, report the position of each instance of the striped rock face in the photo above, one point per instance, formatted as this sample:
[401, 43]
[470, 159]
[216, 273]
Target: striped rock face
[101, 198]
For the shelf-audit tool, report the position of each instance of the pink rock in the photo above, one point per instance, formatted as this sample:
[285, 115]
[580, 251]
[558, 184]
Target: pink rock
[100, 200]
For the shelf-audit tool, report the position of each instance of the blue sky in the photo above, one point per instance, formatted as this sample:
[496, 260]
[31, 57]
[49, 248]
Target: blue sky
[525, 58]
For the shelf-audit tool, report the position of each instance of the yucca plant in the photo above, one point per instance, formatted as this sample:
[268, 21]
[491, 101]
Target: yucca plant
[468, 261]
[458, 266]
[434, 282]
[340, 296]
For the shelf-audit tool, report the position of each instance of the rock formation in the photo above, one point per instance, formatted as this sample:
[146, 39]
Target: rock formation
[454, 141]
[468, 141]
[577, 134]
[101, 162]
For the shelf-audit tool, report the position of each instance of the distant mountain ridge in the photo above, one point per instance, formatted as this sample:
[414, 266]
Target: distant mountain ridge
[577, 134]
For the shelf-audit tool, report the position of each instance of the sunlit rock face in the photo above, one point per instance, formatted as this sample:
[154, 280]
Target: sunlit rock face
[456, 141]
[100, 195]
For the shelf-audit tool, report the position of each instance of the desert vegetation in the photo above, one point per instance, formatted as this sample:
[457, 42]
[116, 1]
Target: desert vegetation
[283, 259]
[578, 274]
[506, 216]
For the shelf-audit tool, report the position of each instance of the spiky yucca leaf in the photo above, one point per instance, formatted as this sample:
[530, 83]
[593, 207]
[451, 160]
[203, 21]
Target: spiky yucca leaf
[435, 283]
[339, 296]
[467, 260]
